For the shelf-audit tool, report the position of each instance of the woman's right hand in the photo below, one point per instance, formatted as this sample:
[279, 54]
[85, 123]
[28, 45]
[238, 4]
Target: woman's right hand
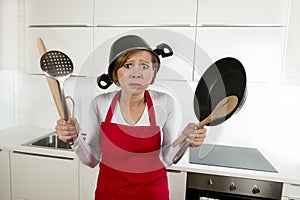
[67, 130]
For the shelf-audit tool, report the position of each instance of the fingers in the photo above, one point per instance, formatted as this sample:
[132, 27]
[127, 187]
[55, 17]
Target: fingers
[189, 130]
[195, 135]
[67, 130]
[199, 138]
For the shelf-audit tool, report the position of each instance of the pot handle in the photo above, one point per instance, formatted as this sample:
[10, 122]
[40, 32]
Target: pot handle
[164, 50]
[104, 81]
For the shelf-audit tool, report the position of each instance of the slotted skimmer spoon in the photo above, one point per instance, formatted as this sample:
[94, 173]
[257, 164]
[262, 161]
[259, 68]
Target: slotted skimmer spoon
[59, 66]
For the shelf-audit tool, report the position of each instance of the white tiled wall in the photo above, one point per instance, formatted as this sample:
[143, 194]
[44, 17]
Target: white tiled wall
[7, 98]
[268, 117]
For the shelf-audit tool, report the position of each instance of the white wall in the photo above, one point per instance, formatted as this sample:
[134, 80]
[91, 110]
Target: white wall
[8, 60]
[7, 99]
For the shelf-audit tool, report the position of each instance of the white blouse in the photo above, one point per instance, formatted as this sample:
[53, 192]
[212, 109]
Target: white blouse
[89, 151]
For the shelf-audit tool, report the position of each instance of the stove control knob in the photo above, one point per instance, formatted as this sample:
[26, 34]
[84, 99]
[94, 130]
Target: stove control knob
[210, 183]
[232, 187]
[255, 190]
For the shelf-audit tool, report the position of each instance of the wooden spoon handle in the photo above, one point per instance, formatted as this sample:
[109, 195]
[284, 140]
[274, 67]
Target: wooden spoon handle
[53, 84]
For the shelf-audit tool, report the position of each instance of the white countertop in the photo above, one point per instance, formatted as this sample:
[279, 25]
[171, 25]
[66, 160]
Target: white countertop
[288, 168]
[14, 139]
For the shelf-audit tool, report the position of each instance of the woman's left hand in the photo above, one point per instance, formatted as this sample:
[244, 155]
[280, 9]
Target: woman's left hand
[194, 134]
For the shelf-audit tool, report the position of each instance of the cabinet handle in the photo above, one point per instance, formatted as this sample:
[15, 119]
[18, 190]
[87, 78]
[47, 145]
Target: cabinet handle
[59, 26]
[173, 171]
[143, 25]
[43, 155]
[296, 185]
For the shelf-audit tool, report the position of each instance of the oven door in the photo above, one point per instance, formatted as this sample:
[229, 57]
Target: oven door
[196, 194]
[206, 186]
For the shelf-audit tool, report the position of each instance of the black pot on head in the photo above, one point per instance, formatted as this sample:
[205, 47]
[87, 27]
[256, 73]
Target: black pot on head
[126, 44]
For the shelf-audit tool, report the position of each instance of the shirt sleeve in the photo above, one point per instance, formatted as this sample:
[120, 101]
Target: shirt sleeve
[171, 130]
[88, 150]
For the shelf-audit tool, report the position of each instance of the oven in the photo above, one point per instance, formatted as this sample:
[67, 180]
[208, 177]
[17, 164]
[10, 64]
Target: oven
[206, 187]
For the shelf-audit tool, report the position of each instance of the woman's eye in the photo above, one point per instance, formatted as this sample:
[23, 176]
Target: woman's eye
[127, 65]
[144, 66]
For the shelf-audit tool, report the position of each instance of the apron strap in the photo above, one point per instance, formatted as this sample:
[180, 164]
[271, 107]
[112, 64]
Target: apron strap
[112, 107]
[149, 102]
[151, 111]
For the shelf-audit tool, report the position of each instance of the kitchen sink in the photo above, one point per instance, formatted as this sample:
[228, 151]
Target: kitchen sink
[49, 141]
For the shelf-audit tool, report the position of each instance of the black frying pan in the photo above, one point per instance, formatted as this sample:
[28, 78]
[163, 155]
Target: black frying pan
[226, 77]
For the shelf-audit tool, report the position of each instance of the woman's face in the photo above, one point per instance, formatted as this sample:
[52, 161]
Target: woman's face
[137, 73]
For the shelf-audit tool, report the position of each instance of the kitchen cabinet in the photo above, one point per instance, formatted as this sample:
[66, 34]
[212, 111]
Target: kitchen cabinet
[5, 192]
[88, 181]
[291, 192]
[260, 50]
[9, 57]
[47, 177]
[291, 74]
[180, 39]
[177, 184]
[59, 13]
[243, 12]
[77, 43]
[145, 13]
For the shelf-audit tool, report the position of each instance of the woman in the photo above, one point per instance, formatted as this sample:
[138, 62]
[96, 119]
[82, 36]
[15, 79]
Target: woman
[131, 129]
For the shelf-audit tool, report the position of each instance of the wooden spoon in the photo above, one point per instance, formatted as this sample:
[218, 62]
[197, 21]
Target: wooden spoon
[53, 84]
[222, 109]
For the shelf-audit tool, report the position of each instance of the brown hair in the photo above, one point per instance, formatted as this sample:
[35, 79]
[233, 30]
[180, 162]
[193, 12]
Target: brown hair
[119, 62]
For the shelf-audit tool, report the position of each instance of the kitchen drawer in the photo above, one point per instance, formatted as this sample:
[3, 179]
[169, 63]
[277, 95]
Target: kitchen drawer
[177, 184]
[88, 181]
[291, 191]
[5, 190]
[47, 177]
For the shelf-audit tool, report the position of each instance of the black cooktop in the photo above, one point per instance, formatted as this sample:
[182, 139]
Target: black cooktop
[230, 156]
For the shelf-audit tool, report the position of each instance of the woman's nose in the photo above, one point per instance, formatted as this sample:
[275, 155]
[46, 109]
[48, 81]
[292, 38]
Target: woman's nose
[136, 72]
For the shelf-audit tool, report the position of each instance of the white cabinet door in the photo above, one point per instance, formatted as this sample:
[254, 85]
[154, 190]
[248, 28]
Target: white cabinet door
[59, 12]
[260, 50]
[180, 39]
[77, 43]
[145, 13]
[292, 61]
[9, 38]
[36, 177]
[177, 184]
[87, 181]
[5, 175]
[291, 191]
[243, 12]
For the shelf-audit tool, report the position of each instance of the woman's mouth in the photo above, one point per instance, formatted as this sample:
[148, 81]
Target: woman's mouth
[135, 84]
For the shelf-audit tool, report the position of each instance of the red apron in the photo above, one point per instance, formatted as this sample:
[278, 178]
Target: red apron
[130, 167]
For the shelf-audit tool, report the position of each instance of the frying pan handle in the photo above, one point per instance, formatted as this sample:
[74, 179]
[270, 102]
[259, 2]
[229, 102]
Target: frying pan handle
[181, 151]
[179, 140]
